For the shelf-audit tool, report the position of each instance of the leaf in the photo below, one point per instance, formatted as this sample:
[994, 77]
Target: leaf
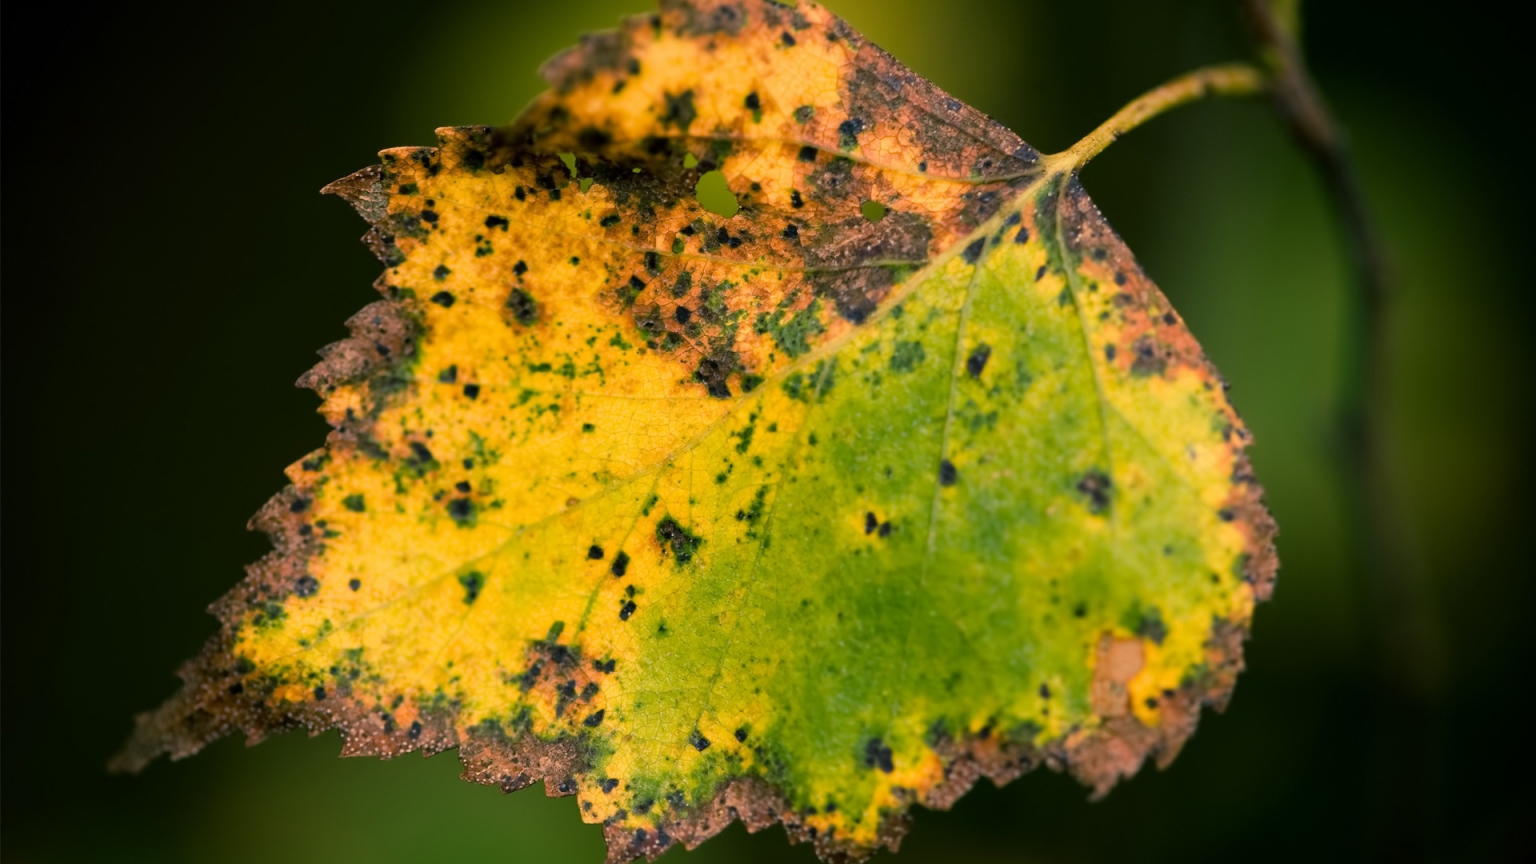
[751, 430]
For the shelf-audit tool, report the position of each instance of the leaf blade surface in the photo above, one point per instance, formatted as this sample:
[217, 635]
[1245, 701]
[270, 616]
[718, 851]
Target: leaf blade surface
[798, 514]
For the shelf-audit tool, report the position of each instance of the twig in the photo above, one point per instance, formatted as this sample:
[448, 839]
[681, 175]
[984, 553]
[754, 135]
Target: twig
[1302, 108]
[1401, 613]
[1406, 633]
[1237, 79]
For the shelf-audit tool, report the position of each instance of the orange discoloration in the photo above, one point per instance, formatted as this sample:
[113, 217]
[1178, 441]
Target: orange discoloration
[1116, 662]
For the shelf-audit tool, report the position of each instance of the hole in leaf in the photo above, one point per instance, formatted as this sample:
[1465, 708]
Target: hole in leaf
[586, 183]
[715, 196]
[690, 161]
[570, 163]
[873, 211]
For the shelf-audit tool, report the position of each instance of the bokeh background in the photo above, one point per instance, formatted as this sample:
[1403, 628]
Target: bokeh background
[169, 269]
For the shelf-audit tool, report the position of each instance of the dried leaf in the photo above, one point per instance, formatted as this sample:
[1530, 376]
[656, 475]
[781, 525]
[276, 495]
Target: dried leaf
[751, 430]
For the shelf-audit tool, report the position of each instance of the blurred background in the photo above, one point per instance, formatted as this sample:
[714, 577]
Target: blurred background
[170, 269]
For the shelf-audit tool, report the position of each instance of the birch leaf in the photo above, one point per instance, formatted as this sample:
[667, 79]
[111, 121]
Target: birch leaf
[749, 430]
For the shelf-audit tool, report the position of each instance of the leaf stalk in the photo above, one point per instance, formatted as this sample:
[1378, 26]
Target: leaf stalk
[1234, 79]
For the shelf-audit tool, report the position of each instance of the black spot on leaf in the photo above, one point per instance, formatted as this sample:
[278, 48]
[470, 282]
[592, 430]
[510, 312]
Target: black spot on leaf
[1095, 486]
[973, 252]
[523, 307]
[592, 138]
[1150, 357]
[975, 363]
[877, 755]
[848, 133]
[472, 581]
[674, 536]
[461, 509]
[680, 111]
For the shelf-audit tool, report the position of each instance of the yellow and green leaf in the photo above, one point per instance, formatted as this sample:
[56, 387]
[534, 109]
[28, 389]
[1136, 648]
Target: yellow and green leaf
[750, 430]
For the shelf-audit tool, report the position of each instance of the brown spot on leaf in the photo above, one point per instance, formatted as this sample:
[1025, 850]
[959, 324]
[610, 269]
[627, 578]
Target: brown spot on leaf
[1116, 662]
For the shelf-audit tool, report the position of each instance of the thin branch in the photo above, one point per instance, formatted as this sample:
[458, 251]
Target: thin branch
[1404, 620]
[1301, 106]
[1237, 79]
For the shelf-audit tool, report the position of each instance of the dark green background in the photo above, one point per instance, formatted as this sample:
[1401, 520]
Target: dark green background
[169, 269]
